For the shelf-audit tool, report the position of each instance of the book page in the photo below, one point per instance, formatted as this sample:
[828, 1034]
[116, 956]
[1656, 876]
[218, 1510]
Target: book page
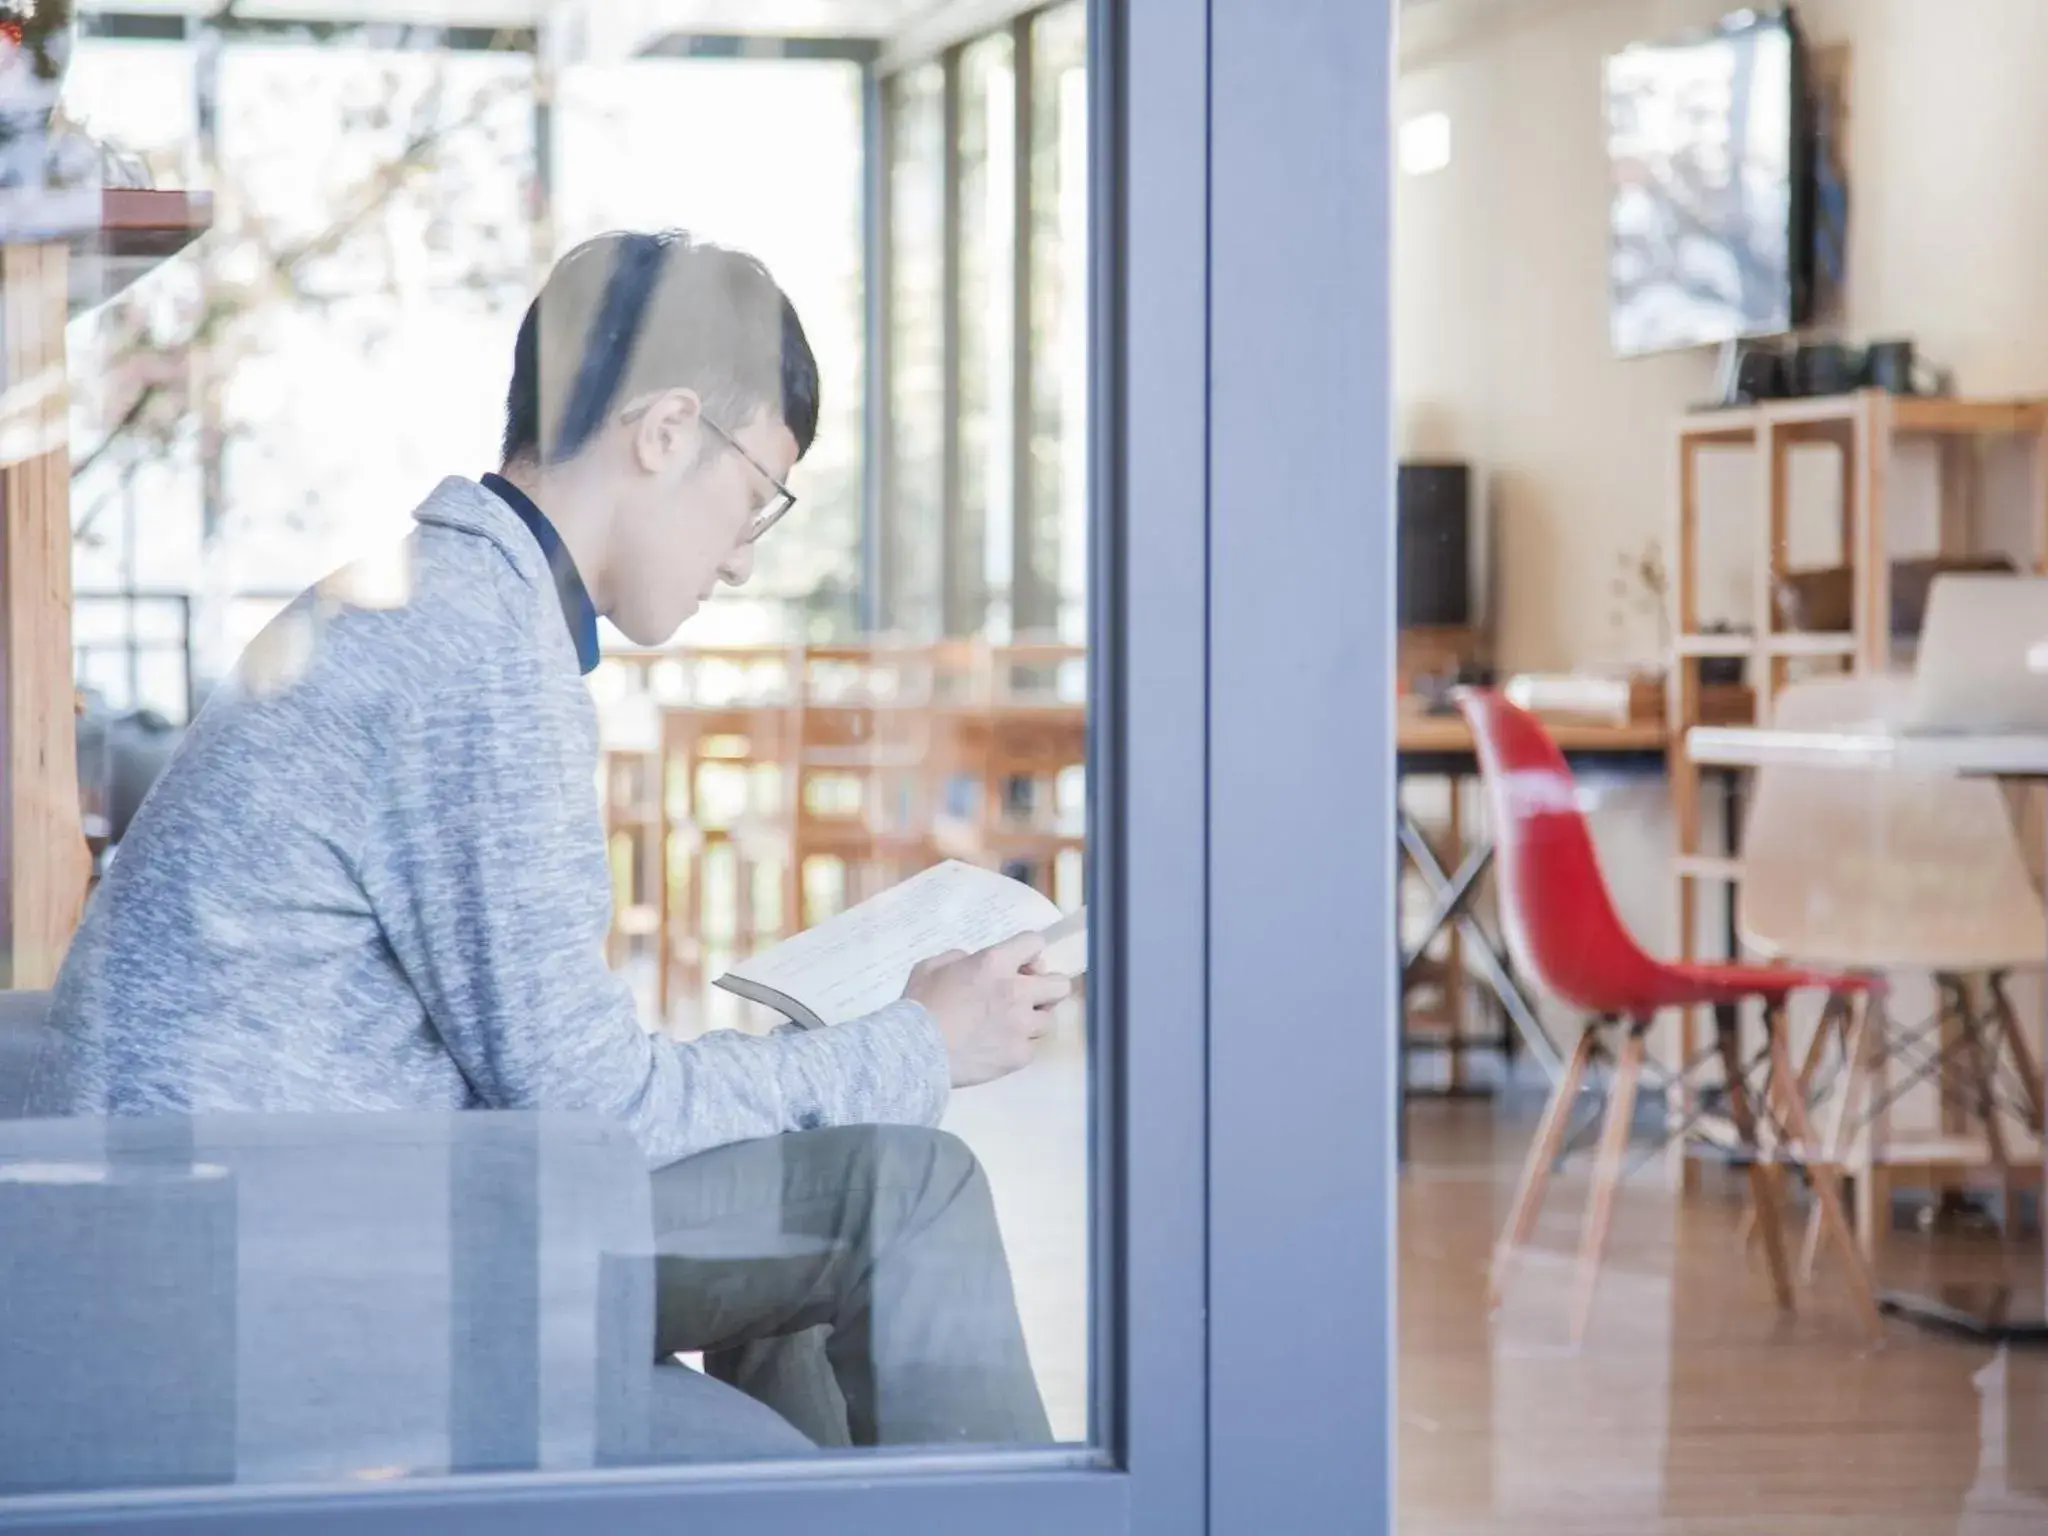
[859, 961]
[1066, 946]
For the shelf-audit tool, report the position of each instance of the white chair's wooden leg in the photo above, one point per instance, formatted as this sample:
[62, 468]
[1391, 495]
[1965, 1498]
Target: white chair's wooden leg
[1826, 1178]
[1763, 1187]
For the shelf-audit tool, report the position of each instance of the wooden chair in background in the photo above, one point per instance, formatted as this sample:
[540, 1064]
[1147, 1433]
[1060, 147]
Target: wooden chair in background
[863, 792]
[727, 750]
[781, 784]
[629, 794]
[726, 822]
[635, 836]
[1034, 758]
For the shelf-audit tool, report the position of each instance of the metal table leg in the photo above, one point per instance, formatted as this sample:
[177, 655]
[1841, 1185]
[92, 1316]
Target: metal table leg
[1453, 895]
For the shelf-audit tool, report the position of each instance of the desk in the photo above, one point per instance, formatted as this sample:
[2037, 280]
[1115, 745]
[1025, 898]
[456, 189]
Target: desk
[1440, 746]
[2019, 758]
[1420, 736]
[2022, 757]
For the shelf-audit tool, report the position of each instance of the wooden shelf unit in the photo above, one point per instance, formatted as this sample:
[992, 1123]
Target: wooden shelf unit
[45, 865]
[1865, 428]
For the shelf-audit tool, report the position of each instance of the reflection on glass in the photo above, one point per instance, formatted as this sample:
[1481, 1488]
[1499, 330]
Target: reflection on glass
[434, 1038]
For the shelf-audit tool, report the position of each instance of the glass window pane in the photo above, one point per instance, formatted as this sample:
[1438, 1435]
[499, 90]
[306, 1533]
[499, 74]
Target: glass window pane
[596, 985]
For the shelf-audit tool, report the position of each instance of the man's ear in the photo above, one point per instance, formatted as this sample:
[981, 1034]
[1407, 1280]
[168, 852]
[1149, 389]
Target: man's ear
[668, 431]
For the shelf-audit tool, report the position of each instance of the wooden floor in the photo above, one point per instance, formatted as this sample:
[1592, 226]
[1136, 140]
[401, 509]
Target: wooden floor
[1692, 1407]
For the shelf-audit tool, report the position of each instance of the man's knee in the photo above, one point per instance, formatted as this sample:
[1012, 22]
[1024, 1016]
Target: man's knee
[910, 1170]
[933, 1158]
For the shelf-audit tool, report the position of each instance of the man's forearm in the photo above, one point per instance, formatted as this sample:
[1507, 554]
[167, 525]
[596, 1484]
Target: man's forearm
[886, 1069]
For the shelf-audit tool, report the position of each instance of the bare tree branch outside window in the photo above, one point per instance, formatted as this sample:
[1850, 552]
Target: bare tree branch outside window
[384, 217]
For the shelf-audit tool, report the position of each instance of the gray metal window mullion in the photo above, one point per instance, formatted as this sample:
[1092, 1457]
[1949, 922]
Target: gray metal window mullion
[953, 616]
[879, 533]
[1027, 604]
[133, 635]
[208, 40]
[546, 81]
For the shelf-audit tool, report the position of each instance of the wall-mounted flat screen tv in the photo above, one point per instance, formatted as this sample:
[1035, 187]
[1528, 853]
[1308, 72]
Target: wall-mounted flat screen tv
[1709, 142]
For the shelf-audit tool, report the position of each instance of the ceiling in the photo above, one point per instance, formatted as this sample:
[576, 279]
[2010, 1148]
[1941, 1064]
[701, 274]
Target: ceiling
[887, 21]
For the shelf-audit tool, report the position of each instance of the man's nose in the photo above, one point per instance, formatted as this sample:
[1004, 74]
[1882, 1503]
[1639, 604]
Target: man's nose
[739, 565]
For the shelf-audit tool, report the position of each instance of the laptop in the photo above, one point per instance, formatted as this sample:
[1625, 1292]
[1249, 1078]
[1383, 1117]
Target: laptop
[1983, 662]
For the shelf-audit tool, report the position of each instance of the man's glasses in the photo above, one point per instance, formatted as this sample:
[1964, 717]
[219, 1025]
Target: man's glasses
[778, 505]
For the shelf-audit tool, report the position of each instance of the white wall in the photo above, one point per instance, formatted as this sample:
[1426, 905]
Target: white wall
[1500, 276]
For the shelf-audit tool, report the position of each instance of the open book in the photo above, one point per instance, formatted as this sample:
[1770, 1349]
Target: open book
[859, 961]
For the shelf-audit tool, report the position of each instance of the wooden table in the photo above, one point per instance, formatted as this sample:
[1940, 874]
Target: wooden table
[1422, 735]
[1440, 746]
[1999, 1315]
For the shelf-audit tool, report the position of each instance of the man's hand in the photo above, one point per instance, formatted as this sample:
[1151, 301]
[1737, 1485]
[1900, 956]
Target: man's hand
[991, 1007]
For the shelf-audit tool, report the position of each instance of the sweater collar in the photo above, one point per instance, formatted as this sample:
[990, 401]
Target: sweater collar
[577, 608]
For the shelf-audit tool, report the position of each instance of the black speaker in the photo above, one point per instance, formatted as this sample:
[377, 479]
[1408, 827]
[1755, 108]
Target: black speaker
[1433, 544]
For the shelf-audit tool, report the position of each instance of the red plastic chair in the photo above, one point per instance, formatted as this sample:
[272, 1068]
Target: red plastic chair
[1565, 935]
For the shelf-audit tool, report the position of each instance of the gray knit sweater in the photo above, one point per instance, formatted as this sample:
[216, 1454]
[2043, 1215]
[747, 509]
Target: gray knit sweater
[374, 877]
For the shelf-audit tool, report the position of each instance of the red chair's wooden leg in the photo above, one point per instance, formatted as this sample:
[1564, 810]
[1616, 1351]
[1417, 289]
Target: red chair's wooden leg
[1621, 1108]
[1763, 1188]
[1826, 1178]
[1543, 1154]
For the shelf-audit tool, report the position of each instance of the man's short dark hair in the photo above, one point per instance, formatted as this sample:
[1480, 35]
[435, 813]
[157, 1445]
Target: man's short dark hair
[627, 314]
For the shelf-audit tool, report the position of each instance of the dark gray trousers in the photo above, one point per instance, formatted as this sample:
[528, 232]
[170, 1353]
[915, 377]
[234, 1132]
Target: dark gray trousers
[851, 1279]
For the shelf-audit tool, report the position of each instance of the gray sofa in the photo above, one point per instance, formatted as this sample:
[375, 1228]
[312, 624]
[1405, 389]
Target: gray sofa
[314, 1298]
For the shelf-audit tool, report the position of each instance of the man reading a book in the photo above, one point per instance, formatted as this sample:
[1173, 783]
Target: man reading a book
[375, 878]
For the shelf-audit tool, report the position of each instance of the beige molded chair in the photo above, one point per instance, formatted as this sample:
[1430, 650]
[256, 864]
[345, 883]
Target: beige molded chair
[1882, 870]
